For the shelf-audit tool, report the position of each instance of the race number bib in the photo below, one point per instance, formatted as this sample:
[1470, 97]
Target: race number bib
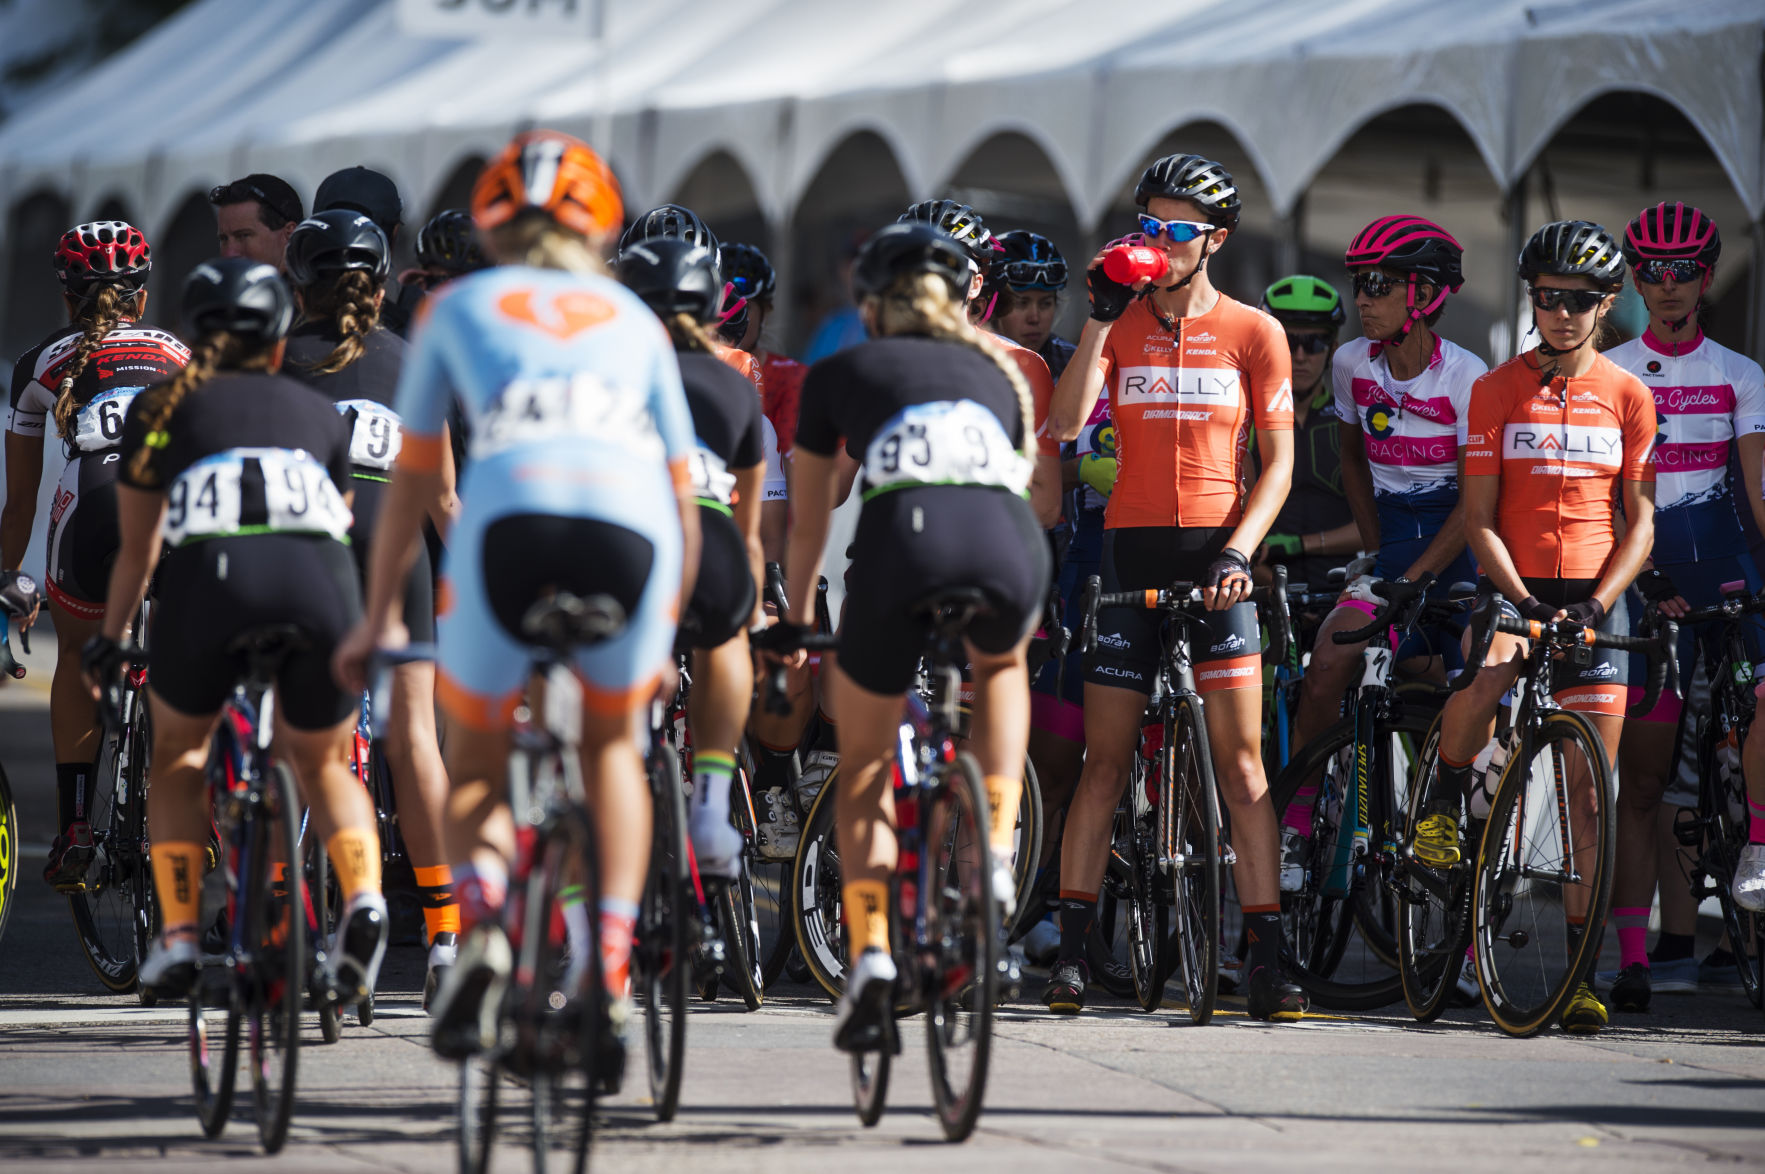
[376, 433]
[948, 443]
[774, 487]
[711, 478]
[535, 411]
[254, 491]
[99, 425]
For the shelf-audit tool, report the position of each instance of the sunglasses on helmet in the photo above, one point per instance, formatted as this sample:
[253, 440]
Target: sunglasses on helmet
[1179, 231]
[1576, 301]
[1036, 274]
[1680, 269]
[1373, 284]
[1309, 344]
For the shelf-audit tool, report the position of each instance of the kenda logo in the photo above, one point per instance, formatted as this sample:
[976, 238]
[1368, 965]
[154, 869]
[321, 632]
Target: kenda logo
[1231, 643]
[1200, 350]
[1149, 385]
[1570, 442]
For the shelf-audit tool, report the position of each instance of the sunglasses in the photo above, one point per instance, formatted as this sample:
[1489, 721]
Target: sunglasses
[1179, 231]
[1375, 284]
[1309, 344]
[1681, 270]
[1036, 274]
[1576, 301]
[216, 195]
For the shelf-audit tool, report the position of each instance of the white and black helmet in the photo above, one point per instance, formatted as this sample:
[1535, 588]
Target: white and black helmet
[1190, 177]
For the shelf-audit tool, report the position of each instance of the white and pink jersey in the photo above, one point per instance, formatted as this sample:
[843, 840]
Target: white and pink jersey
[1412, 430]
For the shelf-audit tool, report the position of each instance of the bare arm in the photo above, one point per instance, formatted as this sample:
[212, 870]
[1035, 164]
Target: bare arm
[750, 511]
[690, 537]
[1075, 396]
[1357, 484]
[445, 506]
[1752, 465]
[1634, 547]
[1045, 489]
[396, 534]
[814, 487]
[24, 475]
[846, 468]
[138, 517]
[1477, 501]
[1269, 493]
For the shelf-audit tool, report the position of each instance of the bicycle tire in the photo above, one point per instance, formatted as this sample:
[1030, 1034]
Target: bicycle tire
[477, 1112]
[319, 886]
[1725, 818]
[815, 895]
[870, 1085]
[1435, 925]
[146, 898]
[213, 1082]
[662, 960]
[736, 910]
[105, 913]
[8, 851]
[278, 968]
[1190, 831]
[962, 923]
[1497, 883]
[1031, 820]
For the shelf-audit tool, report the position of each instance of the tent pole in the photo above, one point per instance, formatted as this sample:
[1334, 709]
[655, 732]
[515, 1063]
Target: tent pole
[1291, 256]
[1517, 237]
[783, 318]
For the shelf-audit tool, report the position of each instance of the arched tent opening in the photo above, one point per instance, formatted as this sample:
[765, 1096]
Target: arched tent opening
[719, 189]
[187, 240]
[1010, 180]
[1252, 258]
[113, 207]
[454, 192]
[859, 187]
[1418, 160]
[32, 306]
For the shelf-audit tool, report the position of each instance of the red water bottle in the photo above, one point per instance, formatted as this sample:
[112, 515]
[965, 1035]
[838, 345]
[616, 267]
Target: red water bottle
[1126, 264]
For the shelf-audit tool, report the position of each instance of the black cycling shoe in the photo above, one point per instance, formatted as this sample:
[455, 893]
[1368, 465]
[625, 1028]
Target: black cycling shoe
[609, 1059]
[1273, 996]
[1631, 989]
[1065, 992]
[361, 945]
[70, 856]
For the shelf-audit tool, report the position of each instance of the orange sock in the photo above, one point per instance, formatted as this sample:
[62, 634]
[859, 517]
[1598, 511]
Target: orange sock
[177, 880]
[867, 915]
[1004, 793]
[441, 913]
[355, 858]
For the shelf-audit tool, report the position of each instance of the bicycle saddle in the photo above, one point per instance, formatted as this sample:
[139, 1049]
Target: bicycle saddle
[563, 621]
[951, 601]
[270, 642]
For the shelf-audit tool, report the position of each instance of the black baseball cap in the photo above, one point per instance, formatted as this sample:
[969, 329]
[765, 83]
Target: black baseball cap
[271, 191]
[364, 190]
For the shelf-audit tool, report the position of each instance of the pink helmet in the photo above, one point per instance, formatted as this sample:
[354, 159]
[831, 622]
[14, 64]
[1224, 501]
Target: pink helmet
[1671, 232]
[1409, 244]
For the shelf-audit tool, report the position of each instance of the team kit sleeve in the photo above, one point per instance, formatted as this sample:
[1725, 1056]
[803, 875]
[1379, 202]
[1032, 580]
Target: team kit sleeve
[674, 420]
[750, 443]
[1036, 374]
[1639, 422]
[1488, 421]
[23, 416]
[1270, 367]
[1342, 383]
[816, 430]
[1749, 398]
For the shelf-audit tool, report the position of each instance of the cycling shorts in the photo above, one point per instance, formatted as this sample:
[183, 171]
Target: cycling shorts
[723, 596]
[82, 539]
[1701, 584]
[499, 565]
[1601, 686]
[1224, 646]
[1083, 558]
[419, 584]
[213, 591]
[910, 544]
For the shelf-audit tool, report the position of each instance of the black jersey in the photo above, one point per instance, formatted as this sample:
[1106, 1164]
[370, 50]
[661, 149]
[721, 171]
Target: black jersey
[363, 392]
[130, 357]
[1316, 503]
[726, 412]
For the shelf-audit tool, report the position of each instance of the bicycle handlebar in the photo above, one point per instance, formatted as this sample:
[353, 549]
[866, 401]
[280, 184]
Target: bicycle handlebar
[1179, 598]
[1399, 611]
[775, 699]
[1732, 606]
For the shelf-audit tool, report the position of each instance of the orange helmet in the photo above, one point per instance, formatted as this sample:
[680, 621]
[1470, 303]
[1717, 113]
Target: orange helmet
[553, 172]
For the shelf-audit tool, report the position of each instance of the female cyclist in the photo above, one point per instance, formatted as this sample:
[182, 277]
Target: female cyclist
[927, 379]
[337, 262]
[579, 443]
[681, 283]
[1187, 368]
[84, 375]
[1556, 435]
[1033, 275]
[237, 469]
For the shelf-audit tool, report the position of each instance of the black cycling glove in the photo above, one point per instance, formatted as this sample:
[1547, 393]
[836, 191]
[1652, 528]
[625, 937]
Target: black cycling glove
[102, 657]
[1229, 566]
[1109, 298]
[1589, 612]
[1533, 608]
[1656, 587]
[18, 593]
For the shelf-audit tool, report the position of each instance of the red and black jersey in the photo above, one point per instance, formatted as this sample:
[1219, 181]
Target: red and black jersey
[130, 356]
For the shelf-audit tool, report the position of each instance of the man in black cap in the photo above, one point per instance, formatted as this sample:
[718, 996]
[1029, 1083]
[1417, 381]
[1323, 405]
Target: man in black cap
[374, 195]
[254, 217]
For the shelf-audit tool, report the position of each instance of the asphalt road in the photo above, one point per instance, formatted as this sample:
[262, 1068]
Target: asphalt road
[92, 1081]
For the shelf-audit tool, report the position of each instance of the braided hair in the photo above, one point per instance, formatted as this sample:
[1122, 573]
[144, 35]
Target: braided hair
[211, 353]
[350, 303]
[107, 309]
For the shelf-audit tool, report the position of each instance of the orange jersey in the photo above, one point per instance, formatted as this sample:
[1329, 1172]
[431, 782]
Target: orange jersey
[1034, 369]
[743, 362]
[1182, 411]
[781, 389]
[1560, 452]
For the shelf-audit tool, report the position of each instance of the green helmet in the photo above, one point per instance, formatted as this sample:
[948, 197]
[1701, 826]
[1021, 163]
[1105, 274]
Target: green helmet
[1304, 301]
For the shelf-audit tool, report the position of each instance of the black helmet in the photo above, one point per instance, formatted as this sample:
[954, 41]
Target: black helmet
[747, 268]
[339, 241]
[1190, 177]
[960, 222]
[911, 247]
[1031, 261]
[240, 296]
[1573, 248]
[449, 242]
[674, 277]
[669, 222]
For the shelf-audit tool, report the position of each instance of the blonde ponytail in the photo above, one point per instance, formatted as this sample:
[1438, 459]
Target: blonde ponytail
[540, 242]
[688, 335]
[354, 310]
[109, 307]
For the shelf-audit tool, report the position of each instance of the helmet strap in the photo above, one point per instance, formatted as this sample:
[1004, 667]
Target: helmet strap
[1545, 349]
[1415, 315]
[1193, 273]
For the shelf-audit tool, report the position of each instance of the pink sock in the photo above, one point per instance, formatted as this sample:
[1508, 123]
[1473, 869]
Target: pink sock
[1633, 935]
[1756, 830]
[1298, 813]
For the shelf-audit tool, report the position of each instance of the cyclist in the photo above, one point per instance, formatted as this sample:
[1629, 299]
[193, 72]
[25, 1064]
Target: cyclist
[1709, 400]
[1033, 275]
[751, 278]
[1555, 435]
[337, 262]
[956, 517]
[374, 195]
[673, 222]
[1187, 369]
[681, 282]
[541, 351]
[237, 469]
[84, 376]
[447, 247]
[1315, 527]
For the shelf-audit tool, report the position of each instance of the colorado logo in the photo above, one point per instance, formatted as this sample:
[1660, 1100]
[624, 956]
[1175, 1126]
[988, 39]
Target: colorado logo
[1381, 422]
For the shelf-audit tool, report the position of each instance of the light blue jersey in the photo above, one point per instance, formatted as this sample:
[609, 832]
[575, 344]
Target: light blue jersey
[573, 406]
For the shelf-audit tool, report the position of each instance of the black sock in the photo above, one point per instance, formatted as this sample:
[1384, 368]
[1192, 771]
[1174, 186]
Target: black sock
[1671, 947]
[72, 783]
[1263, 929]
[1078, 913]
[1450, 785]
[826, 733]
[772, 768]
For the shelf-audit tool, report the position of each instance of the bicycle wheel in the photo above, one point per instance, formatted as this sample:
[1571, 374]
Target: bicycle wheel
[478, 1094]
[104, 914]
[661, 962]
[323, 924]
[1030, 822]
[1434, 905]
[1190, 848]
[134, 852]
[737, 909]
[1544, 855]
[870, 1085]
[962, 930]
[278, 974]
[1727, 825]
[815, 895]
[1146, 924]
[8, 851]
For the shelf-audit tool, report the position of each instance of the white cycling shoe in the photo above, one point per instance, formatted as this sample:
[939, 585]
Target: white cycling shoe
[716, 844]
[1749, 879]
[861, 1021]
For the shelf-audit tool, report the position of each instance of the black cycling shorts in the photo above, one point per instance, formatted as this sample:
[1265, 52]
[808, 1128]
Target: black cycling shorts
[1225, 646]
[527, 557]
[910, 544]
[419, 585]
[82, 537]
[213, 591]
[1601, 686]
[723, 597]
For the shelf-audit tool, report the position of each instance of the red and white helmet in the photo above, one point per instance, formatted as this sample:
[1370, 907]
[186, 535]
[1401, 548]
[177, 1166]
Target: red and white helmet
[104, 252]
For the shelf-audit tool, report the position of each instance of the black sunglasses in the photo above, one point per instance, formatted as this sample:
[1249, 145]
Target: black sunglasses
[1375, 284]
[1049, 275]
[1680, 269]
[1309, 344]
[1576, 301]
[219, 194]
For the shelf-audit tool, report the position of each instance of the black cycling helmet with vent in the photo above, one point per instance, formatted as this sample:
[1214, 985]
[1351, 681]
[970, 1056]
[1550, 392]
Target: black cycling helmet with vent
[1031, 262]
[326, 244]
[674, 277]
[243, 297]
[449, 242]
[669, 222]
[1573, 248]
[910, 247]
[960, 222]
[1190, 177]
[747, 268]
